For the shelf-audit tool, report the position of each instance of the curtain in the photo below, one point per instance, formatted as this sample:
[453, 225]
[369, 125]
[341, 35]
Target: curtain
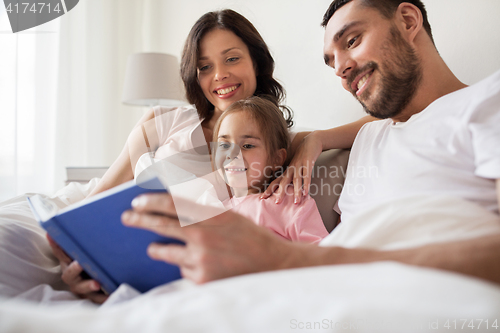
[28, 85]
[96, 38]
[60, 91]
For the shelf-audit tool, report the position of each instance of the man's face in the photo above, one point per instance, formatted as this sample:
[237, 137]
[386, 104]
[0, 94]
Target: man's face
[376, 64]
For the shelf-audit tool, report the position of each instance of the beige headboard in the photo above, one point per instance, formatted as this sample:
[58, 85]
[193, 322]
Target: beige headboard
[327, 182]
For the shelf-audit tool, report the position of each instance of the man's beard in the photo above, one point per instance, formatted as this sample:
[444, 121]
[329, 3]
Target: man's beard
[400, 77]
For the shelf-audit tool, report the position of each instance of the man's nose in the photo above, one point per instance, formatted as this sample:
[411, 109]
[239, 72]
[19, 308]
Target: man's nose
[343, 66]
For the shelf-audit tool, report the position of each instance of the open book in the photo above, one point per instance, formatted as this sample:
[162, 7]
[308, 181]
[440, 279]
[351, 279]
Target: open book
[91, 232]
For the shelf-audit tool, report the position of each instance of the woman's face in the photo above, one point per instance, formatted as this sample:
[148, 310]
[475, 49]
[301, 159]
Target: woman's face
[226, 71]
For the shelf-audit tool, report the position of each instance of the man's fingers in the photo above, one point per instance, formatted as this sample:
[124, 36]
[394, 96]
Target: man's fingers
[172, 253]
[159, 224]
[174, 207]
[189, 263]
[160, 203]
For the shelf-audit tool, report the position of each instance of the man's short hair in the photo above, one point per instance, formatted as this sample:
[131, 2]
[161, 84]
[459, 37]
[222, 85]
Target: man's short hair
[386, 7]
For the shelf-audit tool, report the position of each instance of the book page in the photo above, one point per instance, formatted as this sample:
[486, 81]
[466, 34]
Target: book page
[43, 209]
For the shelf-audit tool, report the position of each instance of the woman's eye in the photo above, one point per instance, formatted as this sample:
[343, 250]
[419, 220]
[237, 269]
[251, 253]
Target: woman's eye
[232, 59]
[248, 146]
[203, 68]
[224, 145]
[351, 41]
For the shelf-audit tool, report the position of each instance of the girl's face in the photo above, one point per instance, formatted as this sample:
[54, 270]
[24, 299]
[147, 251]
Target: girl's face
[241, 156]
[226, 71]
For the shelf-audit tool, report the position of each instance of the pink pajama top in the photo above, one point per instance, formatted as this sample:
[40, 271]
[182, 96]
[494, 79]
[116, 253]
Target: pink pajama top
[301, 222]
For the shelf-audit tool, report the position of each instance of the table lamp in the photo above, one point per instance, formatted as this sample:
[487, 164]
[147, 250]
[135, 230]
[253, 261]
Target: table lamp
[153, 79]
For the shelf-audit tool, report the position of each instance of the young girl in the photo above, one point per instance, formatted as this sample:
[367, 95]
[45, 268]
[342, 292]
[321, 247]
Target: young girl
[252, 140]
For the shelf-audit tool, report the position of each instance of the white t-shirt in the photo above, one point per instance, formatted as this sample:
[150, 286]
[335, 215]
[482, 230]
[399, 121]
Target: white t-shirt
[450, 148]
[181, 141]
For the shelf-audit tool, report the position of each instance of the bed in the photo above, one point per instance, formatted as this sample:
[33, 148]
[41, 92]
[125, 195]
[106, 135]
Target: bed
[377, 297]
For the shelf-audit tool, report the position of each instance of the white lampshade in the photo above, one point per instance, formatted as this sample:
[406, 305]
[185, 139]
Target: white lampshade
[153, 79]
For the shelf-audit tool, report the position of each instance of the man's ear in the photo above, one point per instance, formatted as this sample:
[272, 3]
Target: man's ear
[410, 19]
[280, 157]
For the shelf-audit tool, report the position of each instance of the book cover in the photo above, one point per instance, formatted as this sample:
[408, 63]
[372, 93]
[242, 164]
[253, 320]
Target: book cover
[91, 232]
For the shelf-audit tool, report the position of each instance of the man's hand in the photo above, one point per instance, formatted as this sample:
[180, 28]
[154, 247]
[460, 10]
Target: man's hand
[299, 171]
[223, 246]
[229, 245]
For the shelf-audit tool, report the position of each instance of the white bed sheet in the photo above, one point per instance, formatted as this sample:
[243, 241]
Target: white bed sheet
[380, 297]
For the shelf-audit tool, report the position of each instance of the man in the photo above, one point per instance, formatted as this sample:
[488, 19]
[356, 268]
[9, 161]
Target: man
[385, 56]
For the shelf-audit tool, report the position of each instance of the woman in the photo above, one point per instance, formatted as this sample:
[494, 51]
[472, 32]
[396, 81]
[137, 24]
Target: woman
[224, 60]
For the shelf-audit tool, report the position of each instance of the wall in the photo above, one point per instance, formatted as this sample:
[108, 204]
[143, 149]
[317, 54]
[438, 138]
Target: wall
[98, 35]
[465, 32]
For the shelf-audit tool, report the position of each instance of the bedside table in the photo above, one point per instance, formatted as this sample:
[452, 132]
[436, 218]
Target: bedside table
[83, 174]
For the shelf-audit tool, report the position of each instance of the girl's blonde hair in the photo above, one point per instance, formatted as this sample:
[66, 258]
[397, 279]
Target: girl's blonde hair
[269, 118]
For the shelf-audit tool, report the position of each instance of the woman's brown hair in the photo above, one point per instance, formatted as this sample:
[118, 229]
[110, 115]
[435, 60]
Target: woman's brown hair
[261, 57]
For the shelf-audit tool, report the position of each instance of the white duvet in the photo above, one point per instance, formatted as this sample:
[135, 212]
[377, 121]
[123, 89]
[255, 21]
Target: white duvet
[380, 297]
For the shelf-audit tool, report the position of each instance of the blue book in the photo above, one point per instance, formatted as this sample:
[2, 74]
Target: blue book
[92, 233]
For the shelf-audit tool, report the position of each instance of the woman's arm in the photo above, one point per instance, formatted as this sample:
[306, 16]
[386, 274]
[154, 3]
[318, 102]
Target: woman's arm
[142, 139]
[294, 145]
[305, 150]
